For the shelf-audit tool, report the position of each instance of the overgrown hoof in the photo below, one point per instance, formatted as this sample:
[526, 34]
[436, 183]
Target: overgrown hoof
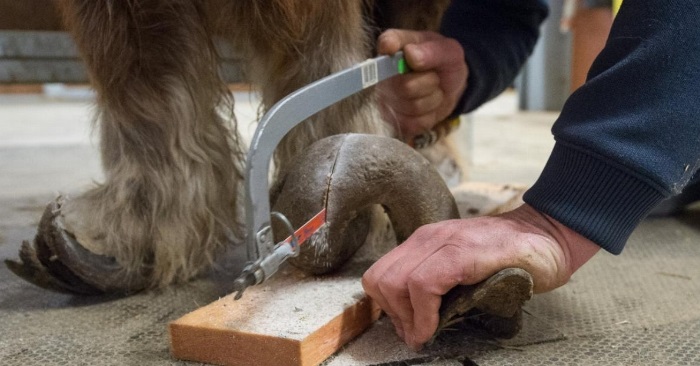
[494, 304]
[56, 261]
[348, 174]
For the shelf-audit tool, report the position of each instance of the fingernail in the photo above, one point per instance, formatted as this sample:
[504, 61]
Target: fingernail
[388, 42]
[411, 341]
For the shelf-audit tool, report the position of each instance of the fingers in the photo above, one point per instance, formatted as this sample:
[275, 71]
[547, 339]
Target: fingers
[411, 102]
[396, 298]
[409, 293]
[418, 100]
[419, 106]
[443, 54]
[445, 57]
[411, 296]
[411, 86]
[384, 283]
[427, 283]
[423, 50]
[409, 127]
[370, 289]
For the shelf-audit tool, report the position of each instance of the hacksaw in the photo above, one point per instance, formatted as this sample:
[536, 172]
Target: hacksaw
[265, 256]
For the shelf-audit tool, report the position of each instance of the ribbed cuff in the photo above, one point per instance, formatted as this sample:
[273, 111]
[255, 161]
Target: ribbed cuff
[597, 199]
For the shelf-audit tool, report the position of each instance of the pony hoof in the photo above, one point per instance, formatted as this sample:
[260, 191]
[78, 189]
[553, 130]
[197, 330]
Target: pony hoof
[56, 261]
[494, 304]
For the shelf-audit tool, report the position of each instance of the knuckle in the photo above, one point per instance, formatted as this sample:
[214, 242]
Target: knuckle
[418, 283]
[453, 45]
[424, 232]
[392, 287]
[388, 34]
[368, 283]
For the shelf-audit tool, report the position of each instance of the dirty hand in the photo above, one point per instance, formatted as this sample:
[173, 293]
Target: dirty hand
[416, 101]
[408, 282]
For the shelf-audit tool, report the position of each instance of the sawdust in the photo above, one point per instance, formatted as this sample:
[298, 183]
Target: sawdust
[295, 296]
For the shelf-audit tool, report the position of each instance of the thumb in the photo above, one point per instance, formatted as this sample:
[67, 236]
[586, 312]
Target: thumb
[441, 54]
[394, 40]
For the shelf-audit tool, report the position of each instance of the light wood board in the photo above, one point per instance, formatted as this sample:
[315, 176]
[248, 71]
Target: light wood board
[292, 319]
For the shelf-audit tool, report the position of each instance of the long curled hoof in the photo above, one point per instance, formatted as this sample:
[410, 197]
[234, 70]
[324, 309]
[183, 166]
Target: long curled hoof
[348, 174]
[494, 304]
[55, 260]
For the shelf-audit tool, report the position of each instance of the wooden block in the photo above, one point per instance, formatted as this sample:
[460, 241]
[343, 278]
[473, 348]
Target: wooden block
[293, 319]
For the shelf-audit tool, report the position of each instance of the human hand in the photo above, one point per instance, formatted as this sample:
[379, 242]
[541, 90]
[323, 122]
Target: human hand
[417, 101]
[408, 282]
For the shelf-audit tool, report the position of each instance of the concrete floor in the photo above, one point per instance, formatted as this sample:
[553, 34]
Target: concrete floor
[639, 308]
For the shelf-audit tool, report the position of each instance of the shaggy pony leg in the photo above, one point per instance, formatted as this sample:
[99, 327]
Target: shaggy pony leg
[172, 166]
[289, 44]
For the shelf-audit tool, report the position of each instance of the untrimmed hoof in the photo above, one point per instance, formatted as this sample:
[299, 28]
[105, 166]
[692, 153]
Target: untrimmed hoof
[56, 261]
[347, 175]
[494, 304]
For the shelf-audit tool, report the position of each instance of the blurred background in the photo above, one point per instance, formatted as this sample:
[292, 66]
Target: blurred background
[34, 50]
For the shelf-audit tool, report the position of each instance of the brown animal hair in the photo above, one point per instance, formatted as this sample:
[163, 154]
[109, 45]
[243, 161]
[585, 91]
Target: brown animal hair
[290, 43]
[172, 158]
[172, 164]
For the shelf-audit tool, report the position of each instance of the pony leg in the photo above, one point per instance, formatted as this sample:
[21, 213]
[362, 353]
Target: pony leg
[172, 165]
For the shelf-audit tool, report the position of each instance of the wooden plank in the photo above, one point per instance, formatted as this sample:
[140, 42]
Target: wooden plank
[21, 89]
[293, 319]
[297, 319]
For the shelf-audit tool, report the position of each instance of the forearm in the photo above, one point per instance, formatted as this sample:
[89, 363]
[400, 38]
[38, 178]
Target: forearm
[628, 138]
[497, 37]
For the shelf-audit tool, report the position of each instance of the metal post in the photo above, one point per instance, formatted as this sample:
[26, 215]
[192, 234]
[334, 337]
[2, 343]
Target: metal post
[544, 82]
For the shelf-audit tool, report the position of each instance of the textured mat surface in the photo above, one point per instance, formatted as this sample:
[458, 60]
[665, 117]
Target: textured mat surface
[642, 307]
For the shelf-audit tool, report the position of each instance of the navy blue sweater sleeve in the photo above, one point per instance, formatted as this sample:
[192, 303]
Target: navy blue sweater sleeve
[629, 137]
[497, 37]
